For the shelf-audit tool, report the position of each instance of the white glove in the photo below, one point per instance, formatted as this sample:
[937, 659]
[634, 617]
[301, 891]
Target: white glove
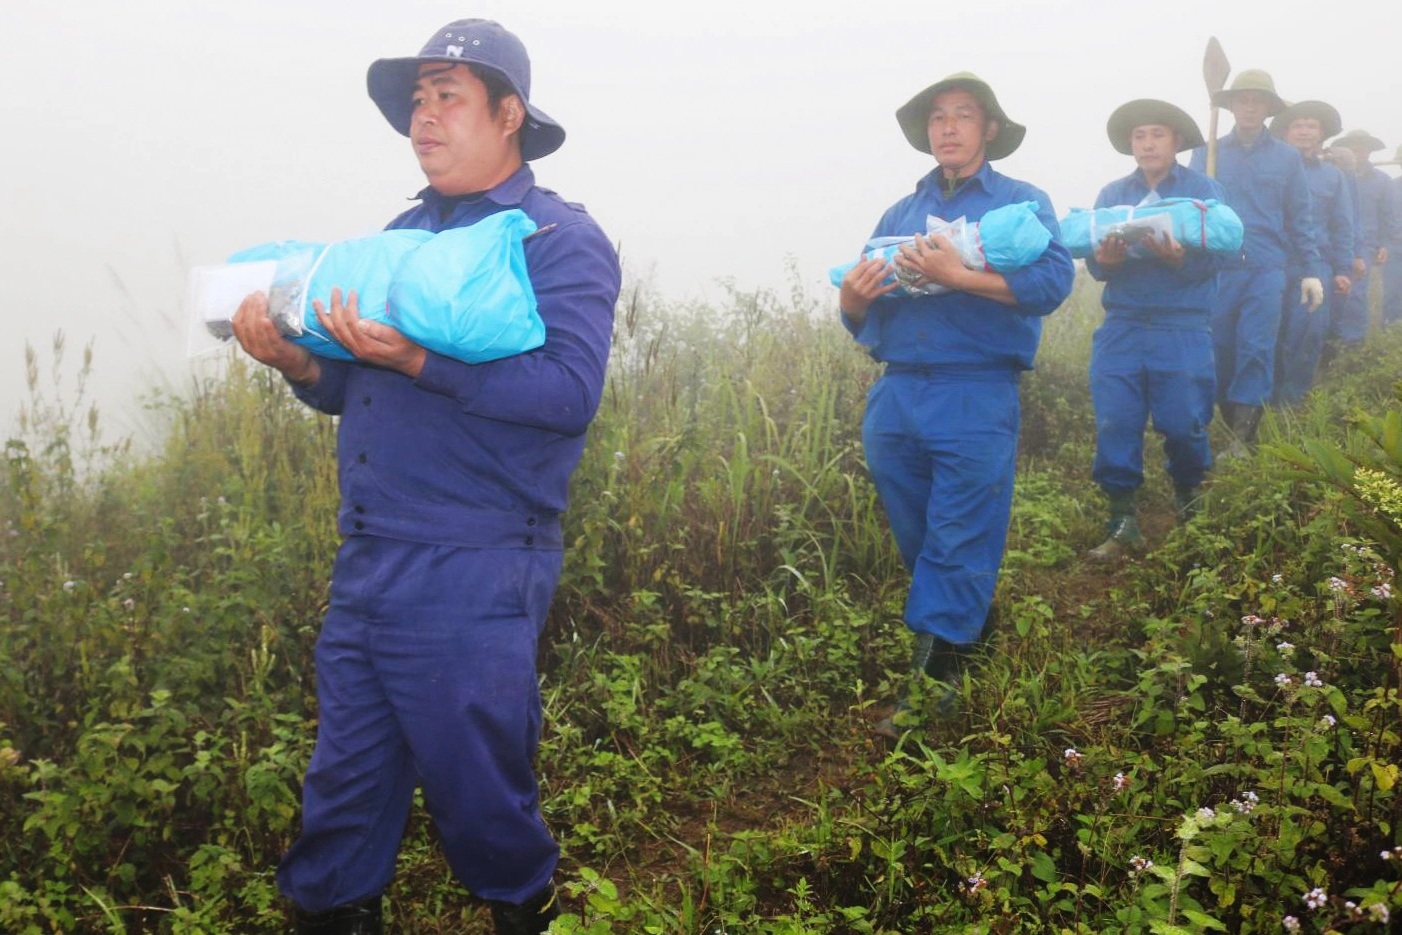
[1311, 292]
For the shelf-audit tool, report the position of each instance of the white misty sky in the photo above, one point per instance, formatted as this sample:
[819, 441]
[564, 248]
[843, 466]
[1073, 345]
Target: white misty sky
[710, 140]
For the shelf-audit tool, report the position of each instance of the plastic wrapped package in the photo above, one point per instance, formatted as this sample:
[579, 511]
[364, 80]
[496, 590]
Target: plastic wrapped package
[464, 293]
[1205, 225]
[1004, 239]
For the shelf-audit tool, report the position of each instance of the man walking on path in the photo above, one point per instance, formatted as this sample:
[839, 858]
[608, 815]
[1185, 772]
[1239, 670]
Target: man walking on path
[1392, 271]
[1378, 224]
[1265, 183]
[1153, 354]
[941, 425]
[453, 477]
[1305, 126]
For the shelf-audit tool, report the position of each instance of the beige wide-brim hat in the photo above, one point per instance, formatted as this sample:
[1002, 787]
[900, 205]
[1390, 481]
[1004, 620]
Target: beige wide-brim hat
[1330, 123]
[1147, 111]
[914, 115]
[1360, 139]
[1253, 79]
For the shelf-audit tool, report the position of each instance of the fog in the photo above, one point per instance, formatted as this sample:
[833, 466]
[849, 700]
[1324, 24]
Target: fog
[719, 140]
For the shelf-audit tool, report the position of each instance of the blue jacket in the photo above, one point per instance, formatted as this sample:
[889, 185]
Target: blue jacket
[1378, 220]
[1265, 184]
[480, 455]
[1143, 286]
[1331, 216]
[1395, 245]
[959, 330]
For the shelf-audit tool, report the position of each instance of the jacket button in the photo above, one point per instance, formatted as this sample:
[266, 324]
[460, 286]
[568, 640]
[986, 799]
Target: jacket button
[365, 400]
[359, 508]
[531, 521]
[361, 458]
[359, 524]
[530, 540]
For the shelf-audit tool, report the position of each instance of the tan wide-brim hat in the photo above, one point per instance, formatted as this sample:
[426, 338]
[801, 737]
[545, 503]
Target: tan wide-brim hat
[1360, 139]
[1253, 79]
[1330, 123]
[1145, 112]
[914, 115]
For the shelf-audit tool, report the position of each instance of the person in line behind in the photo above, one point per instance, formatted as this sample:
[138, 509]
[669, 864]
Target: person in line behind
[941, 425]
[1379, 224]
[1306, 125]
[1153, 354]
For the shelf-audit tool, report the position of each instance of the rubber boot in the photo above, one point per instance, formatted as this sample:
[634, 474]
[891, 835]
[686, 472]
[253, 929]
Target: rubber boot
[362, 918]
[1122, 534]
[1242, 422]
[931, 658]
[1185, 503]
[529, 918]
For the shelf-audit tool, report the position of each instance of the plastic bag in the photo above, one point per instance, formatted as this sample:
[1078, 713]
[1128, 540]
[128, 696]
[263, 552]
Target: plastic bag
[1204, 225]
[1004, 239]
[464, 293]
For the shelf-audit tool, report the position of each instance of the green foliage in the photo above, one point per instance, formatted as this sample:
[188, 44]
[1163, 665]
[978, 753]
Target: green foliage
[1205, 739]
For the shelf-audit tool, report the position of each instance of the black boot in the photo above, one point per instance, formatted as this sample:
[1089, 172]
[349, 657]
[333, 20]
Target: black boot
[529, 918]
[362, 918]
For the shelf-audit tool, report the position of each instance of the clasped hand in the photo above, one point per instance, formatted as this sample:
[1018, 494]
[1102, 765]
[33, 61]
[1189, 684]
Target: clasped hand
[934, 259]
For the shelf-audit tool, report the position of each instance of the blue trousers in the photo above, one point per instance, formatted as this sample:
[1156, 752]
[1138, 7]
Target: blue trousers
[426, 675]
[1140, 369]
[1302, 336]
[1350, 321]
[1245, 323]
[942, 449]
[1392, 288]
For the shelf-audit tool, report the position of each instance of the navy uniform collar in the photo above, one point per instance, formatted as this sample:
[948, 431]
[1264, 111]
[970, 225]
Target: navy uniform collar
[1168, 180]
[983, 178]
[509, 193]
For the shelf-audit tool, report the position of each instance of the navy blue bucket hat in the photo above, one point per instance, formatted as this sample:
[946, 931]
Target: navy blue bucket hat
[480, 42]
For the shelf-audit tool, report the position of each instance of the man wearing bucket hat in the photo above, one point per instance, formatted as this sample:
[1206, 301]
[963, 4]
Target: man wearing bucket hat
[1378, 224]
[1265, 183]
[1153, 354]
[1392, 271]
[1306, 125]
[941, 424]
[453, 477]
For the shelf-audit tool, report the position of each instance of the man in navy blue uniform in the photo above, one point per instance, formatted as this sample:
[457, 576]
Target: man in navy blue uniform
[1153, 354]
[453, 477]
[1306, 125]
[941, 424]
[1265, 183]
[1378, 224]
[1392, 272]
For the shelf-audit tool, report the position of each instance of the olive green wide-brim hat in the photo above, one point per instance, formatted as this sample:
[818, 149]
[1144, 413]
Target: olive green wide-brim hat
[1396, 159]
[914, 115]
[1253, 79]
[1360, 139]
[1146, 112]
[1330, 123]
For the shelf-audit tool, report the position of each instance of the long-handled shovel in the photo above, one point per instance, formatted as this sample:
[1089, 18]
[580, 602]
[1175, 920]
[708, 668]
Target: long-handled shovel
[1215, 69]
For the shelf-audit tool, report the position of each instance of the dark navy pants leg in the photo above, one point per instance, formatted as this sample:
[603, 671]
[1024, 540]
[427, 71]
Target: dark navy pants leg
[1119, 393]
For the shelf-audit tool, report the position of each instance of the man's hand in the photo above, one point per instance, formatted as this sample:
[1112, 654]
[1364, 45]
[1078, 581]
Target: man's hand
[1359, 267]
[1311, 292]
[935, 259]
[1111, 252]
[863, 285]
[369, 341]
[1380, 258]
[261, 340]
[1342, 285]
[1165, 249]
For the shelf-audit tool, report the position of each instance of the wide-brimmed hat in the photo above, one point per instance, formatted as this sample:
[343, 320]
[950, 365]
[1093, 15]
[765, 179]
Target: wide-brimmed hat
[1149, 112]
[480, 42]
[1396, 159]
[914, 115]
[1330, 123]
[1360, 139]
[1253, 79]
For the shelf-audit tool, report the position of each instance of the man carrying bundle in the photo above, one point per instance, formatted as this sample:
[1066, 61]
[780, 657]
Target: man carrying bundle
[1153, 354]
[941, 425]
[1305, 126]
[1264, 180]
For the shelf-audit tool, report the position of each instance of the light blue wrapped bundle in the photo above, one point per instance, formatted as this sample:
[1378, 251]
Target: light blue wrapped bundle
[1204, 225]
[1004, 239]
[463, 293]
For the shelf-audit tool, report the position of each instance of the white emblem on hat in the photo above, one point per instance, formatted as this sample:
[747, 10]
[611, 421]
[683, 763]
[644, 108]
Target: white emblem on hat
[453, 51]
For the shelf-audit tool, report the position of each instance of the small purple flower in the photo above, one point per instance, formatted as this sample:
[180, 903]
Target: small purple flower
[129, 603]
[1140, 864]
[1316, 898]
[1251, 620]
[1327, 721]
[1383, 591]
[1312, 680]
[1284, 647]
[1119, 783]
[1337, 584]
[1283, 680]
[1290, 924]
[69, 585]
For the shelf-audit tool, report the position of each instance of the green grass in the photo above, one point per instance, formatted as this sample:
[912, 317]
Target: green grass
[726, 631]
